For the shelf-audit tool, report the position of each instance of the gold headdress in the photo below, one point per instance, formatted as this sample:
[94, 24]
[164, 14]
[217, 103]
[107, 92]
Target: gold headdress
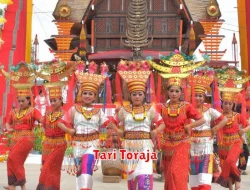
[22, 78]
[90, 82]
[136, 80]
[202, 83]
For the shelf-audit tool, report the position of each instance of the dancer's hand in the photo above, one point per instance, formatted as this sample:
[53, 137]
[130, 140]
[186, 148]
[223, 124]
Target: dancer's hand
[187, 128]
[153, 135]
[120, 133]
[213, 131]
[241, 132]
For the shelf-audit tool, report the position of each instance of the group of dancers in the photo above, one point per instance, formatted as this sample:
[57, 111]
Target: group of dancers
[185, 130]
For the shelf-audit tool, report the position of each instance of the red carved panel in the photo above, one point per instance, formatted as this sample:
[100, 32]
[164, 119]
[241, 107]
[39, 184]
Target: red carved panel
[104, 6]
[116, 5]
[126, 4]
[171, 44]
[172, 28]
[115, 43]
[100, 25]
[115, 25]
[171, 6]
[158, 5]
[157, 25]
[100, 43]
[157, 43]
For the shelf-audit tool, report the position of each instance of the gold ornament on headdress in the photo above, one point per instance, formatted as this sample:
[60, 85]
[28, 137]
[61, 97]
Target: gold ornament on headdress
[22, 78]
[136, 80]
[90, 82]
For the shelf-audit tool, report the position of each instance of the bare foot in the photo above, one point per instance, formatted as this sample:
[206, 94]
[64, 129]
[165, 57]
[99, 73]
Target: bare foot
[10, 187]
[237, 185]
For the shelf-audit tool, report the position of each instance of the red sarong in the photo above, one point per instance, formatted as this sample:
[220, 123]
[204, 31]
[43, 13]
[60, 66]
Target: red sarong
[15, 162]
[176, 166]
[51, 171]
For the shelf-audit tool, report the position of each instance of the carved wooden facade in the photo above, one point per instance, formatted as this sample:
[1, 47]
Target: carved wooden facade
[110, 24]
[106, 24]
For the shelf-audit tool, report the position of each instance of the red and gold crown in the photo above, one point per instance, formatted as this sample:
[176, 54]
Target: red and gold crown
[136, 80]
[89, 81]
[202, 83]
[174, 81]
[23, 89]
[228, 96]
[54, 88]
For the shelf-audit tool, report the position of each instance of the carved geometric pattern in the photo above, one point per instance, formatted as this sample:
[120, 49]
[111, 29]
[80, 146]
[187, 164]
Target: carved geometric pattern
[116, 5]
[115, 43]
[172, 25]
[115, 25]
[157, 25]
[171, 7]
[171, 44]
[100, 43]
[126, 3]
[100, 25]
[104, 6]
[157, 5]
[157, 43]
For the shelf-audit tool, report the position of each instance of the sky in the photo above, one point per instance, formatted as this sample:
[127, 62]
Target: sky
[44, 27]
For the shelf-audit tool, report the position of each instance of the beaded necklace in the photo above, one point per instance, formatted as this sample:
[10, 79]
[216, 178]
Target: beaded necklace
[21, 113]
[170, 111]
[139, 119]
[88, 117]
[228, 117]
[53, 116]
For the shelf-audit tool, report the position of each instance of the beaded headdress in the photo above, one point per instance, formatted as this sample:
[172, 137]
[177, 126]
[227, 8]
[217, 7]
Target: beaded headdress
[136, 80]
[89, 81]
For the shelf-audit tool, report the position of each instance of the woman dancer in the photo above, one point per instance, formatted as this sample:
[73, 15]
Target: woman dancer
[176, 146]
[87, 121]
[230, 146]
[20, 123]
[202, 137]
[137, 119]
[54, 144]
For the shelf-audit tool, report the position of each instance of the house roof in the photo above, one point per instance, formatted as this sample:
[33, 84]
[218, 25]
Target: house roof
[78, 9]
[197, 8]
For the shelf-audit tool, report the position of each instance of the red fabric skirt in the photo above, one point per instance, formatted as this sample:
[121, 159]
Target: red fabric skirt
[17, 156]
[229, 167]
[176, 162]
[52, 158]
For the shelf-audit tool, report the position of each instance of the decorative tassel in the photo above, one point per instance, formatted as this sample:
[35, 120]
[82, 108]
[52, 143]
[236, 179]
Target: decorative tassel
[152, 92]
[191, 39]
[118, 88]
[243, 106]
[104, 95]
[109, 91]
[216, 96]
[217, 106]
[149, 90]
[185, 91]
[70, 92]
[192, 91]
[158, 95]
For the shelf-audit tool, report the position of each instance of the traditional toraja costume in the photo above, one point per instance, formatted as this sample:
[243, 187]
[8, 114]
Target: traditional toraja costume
[54, 144]
[87, 122]
[22, 121]
[229, 141]
[176, 145]
[230, 146]
[202, 140]
[137, 122]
